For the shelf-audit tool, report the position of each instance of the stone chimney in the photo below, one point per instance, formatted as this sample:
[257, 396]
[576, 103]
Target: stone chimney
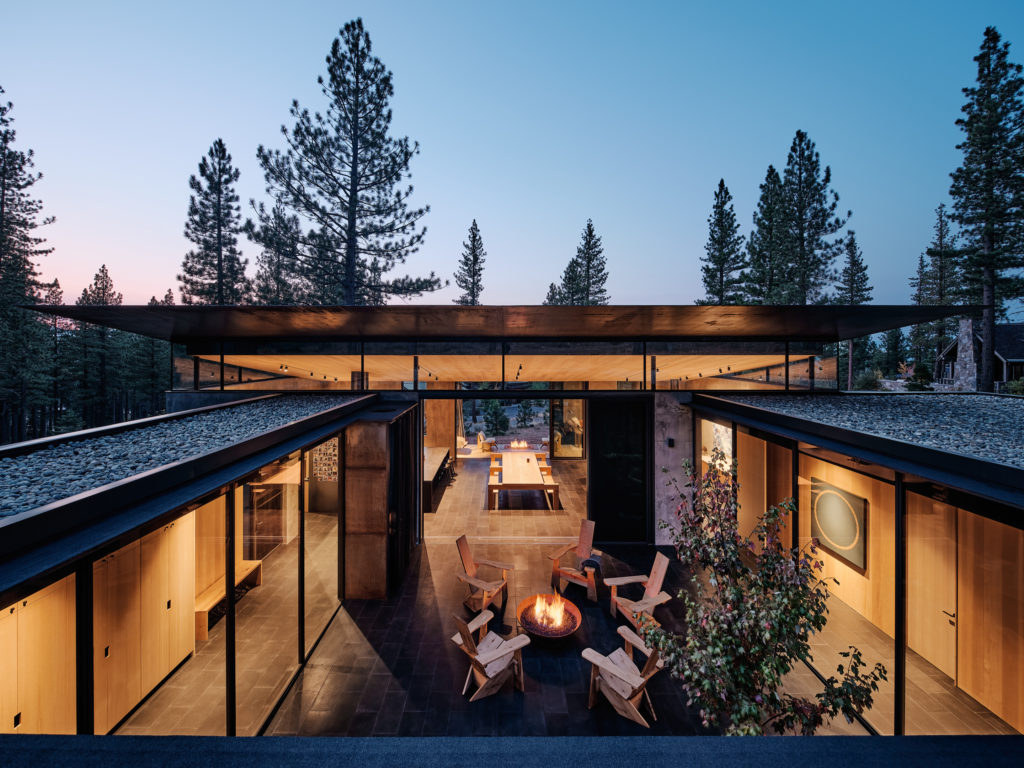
[965, 372]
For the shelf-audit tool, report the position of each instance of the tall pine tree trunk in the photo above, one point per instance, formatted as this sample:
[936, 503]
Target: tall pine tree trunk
[988, 325]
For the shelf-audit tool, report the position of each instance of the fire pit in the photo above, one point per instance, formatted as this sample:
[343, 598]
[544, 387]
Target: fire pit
[548, 617]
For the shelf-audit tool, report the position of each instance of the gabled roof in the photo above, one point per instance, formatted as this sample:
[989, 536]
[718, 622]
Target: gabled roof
[1009, 342]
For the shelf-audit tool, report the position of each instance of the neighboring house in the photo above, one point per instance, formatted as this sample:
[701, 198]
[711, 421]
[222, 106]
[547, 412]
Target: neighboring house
[960, 370]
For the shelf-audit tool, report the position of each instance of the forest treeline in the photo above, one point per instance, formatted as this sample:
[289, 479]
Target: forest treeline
[797, 251]
[339, 222]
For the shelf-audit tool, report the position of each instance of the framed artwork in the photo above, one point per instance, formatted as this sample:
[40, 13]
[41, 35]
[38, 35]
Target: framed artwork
[839, 521]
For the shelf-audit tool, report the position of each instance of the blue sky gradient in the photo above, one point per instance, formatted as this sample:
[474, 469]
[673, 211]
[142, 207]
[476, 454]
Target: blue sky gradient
[531, 117]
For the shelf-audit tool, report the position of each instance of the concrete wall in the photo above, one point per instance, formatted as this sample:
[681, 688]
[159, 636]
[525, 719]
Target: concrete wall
[672, 420]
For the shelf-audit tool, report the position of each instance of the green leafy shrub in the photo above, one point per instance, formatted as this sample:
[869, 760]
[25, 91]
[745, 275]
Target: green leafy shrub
[1015, 387]
[751, 608]
[868, 380]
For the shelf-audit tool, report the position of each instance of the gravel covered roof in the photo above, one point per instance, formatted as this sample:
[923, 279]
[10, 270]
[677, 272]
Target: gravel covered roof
[987, 427]
[56, 472]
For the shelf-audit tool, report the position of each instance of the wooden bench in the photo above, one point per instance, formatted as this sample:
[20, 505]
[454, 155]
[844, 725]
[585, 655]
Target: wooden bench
[246, 570]
[550, 487]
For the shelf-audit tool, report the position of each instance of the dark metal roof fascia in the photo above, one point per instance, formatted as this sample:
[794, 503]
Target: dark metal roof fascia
[28, 529]
[204, 324]
[976, 476]
[37, 566]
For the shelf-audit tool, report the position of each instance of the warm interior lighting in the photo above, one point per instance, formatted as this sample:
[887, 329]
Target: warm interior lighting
[549, 611]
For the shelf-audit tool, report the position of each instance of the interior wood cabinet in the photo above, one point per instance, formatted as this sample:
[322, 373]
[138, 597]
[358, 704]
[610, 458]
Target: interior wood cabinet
[37, 662]
[167, 601]
[8, 668]
[143, 617]
[117, 630]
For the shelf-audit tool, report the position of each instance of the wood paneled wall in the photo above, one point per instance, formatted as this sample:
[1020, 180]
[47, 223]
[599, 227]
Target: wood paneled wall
[870, 594]
[750, 462]
[440, 417]
[366, 510]
[765, 478]
[779, 483]
[990, 586]
[37, 661]
[931, 581]
[210, 522]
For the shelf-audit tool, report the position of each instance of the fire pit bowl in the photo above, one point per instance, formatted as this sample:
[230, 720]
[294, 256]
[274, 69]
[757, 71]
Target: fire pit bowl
[548, 617]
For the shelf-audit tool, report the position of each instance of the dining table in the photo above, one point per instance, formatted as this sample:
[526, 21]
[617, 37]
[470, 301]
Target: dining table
[520, 471]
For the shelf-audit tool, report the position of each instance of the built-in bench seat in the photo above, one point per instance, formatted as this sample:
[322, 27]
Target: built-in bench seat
[247, 570]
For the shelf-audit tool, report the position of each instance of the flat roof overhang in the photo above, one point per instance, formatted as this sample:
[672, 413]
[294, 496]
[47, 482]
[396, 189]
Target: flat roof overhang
[203, 324]
[972, 475]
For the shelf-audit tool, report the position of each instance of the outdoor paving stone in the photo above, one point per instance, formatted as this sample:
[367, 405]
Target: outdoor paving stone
[420, 689]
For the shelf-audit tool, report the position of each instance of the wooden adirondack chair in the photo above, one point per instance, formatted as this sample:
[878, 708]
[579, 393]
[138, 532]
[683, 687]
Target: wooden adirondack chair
[633, 610]
[584, 576]
[492, 660]
[481, 593]
[619, 679]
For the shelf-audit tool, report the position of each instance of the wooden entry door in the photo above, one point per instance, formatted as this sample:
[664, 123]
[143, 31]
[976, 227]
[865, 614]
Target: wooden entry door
[931, 581]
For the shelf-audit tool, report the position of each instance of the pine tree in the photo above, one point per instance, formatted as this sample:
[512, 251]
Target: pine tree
[943, 282]
[469, 276]
[764, 280]
[214, 272]
[988, 187]
[342, 172]
[723, 263]
[853, 288]
[99, 357]
[569, 291]
[25, 363]
[591, 268]
[920, 337]
[278, 280]
[584, 277]
[813, 221]
[554, 296]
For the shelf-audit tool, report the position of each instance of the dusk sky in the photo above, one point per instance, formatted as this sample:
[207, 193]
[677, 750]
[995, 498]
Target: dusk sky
[531, 118]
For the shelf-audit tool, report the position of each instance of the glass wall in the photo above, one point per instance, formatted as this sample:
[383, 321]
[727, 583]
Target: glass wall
[568, 429]
[322, 510]
[853, 517]
[267, 541]
[765, 478]
[175, 577]
[714, 436]
[594, 365]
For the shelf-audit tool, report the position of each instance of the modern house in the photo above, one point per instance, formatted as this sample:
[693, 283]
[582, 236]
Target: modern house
[198, 557]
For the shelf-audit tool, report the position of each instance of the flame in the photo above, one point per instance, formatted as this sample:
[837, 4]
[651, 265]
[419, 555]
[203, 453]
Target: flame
[549, 610]
[519, 444]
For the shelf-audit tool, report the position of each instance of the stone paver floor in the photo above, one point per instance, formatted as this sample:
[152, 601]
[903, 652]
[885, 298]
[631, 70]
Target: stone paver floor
[389, 668]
